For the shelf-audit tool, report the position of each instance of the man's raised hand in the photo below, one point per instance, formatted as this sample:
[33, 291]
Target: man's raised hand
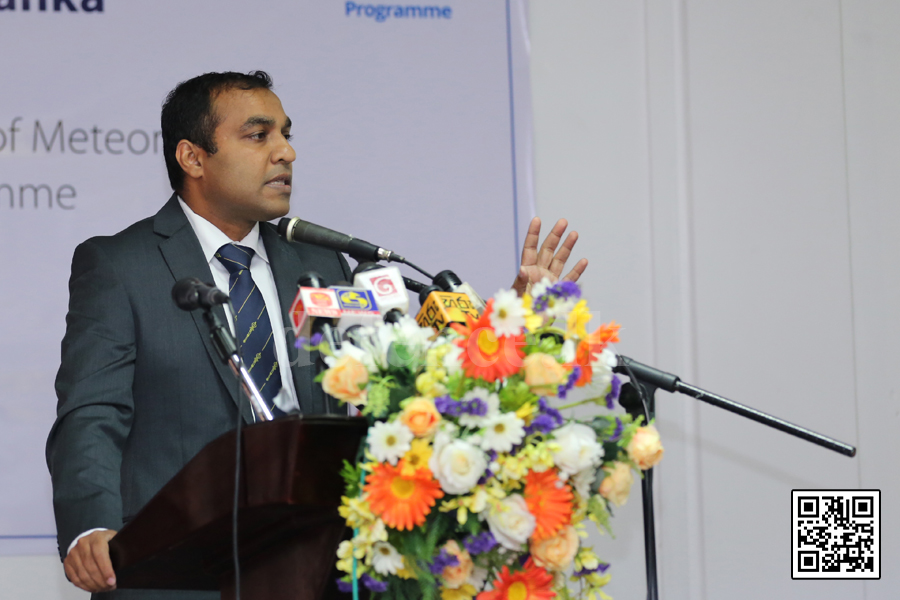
[548, 262]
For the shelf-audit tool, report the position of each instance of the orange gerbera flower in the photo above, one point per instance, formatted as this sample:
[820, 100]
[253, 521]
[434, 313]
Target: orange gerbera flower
[550, 505]
[487, 356]
[402, 501]
[588, 349]
[531, 583]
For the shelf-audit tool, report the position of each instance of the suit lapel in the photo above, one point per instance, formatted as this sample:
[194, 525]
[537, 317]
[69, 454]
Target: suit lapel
[182, 252]
[287, 267]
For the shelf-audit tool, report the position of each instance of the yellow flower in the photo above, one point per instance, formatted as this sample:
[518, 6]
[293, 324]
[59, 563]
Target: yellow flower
[577, 320]
[427, 384]
[465, 592]
[532, 321]
[434, 358]
[586, 560]
[406, 572]
[416, 458]
[356, 511]
[345, 553]
[525, 412]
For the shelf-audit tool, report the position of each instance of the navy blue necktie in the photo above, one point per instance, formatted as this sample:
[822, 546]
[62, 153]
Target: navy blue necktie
[252, 326]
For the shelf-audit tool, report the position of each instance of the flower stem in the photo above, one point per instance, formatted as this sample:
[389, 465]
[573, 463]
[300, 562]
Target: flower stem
[580, 402]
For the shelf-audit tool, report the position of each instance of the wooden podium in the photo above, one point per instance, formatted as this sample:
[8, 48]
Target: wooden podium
[288, 523]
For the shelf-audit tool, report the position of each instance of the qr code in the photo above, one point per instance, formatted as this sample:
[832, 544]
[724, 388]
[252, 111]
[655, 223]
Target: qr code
[836, 534]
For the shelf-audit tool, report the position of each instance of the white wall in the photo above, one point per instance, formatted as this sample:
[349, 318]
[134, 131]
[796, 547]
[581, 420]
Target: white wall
[36, 578]
[729, 167]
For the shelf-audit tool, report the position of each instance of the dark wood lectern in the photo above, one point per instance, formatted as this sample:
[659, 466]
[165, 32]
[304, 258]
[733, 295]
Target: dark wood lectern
[288, 523]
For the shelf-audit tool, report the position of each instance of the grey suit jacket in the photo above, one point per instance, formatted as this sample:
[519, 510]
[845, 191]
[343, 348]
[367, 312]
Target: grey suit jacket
[140, 388]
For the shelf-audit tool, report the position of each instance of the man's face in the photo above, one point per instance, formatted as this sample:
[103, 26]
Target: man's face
[248, 179]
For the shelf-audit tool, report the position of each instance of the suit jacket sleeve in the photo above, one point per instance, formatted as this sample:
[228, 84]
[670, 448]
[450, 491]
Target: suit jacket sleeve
[95, 403]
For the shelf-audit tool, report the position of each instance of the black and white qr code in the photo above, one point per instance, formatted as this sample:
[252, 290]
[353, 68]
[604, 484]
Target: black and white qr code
[836, 534]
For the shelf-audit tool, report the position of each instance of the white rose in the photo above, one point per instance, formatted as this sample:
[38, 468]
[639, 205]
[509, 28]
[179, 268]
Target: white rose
[582, 481]
[457, 465]
[603, 369]
[453, 360]
[578, 448]
[510, 522]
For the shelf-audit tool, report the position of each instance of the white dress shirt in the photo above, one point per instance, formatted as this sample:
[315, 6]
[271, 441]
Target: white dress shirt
[211, 239]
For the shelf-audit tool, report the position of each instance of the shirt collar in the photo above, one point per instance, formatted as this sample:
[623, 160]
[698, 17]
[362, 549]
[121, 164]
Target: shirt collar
[211, 237]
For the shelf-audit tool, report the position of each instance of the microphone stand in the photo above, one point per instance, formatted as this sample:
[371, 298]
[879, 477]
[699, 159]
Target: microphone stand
[637, 398]
[226, 347]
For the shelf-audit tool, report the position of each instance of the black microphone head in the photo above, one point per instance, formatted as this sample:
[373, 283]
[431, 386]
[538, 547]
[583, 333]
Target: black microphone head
[311, 279]
[364, 266]
[393, 315]
[283, 226]
[191, 293]
[448, 281]
[341, 283]
[423, 295]
[185, 293]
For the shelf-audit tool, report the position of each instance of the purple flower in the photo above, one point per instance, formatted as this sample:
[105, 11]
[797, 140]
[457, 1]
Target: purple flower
[301, 342]
[618, 432]
[540, 424]
[570, 383]
[447, 406]
[373, 584]
[344, 587]
[566, 289]
[476, 407]
[442, 560]
[481, 543]
[548, 419]
[316, 339]
[601, 568]
[614, 389]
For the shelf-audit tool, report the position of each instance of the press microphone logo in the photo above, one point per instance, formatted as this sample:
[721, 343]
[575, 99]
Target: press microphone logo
[321, 299]
[384, 285]
[353, 300]
[52, 5]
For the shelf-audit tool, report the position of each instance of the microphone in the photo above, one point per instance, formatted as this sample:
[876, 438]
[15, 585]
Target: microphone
[440, 308]
[298, 230]
[450, 282]
[358, 309]
[387, 286]
[191, 293]
[315, 309]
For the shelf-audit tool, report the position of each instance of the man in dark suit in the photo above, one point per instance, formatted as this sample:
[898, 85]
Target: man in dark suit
[140, 388]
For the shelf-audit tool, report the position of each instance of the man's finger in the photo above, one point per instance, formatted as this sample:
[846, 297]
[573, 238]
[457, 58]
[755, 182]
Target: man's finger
[77, 573]
[100, 551]
[559, 260]
[72, 571]
[577, 270]
[545, 256]
[89, 564]
[529, 248]
[520, 285]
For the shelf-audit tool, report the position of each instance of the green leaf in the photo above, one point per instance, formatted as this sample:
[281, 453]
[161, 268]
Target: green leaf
[378, 399]
[515, 393]
[599, 513]
[351, 474]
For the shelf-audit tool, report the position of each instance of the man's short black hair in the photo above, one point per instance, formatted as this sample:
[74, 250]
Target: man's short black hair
[188, 113]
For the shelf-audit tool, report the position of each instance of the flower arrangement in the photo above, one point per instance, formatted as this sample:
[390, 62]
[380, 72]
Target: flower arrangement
[472, 482]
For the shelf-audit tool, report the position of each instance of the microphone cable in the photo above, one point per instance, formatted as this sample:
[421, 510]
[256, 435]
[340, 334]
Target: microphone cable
[419, 269]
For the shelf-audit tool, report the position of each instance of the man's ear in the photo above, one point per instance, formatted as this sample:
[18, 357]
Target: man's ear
[190, 157]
